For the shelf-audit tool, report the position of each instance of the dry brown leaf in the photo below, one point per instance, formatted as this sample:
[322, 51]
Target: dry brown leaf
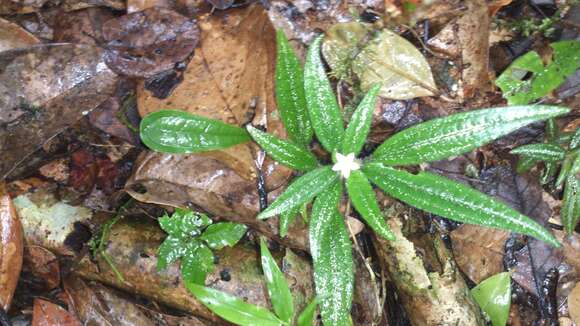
[479, 251]
[574, 304]
[46, 313]
[43, 264]
[43, 90]
[11, 243]
[13, 36]
[81, 26]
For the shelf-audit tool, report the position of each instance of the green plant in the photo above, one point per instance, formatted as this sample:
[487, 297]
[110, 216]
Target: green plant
[528, 79]
[560, 149]
[192, 236]
[239, 312]
[494, 297]
[433, 140]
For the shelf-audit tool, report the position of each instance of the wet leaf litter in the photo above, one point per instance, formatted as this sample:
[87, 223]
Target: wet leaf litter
[289, 163]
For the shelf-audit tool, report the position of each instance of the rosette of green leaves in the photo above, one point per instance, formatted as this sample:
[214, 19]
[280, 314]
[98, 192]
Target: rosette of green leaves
[239, 312]
[191, 238]
[560, 150]
[433, 140]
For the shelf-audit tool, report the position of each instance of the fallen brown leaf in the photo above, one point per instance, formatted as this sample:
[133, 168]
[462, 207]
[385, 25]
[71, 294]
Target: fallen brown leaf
[46, 313]
[13, 36]
[43, 264]
[148, 42]
[574, 304]
[11, 243]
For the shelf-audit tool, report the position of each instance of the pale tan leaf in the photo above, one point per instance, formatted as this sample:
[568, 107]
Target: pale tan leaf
[11, 244]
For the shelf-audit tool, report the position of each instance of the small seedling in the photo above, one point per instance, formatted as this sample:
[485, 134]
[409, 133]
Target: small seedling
[237, 311]
[191, 238]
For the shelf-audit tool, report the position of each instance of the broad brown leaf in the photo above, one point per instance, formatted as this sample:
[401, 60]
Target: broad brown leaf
[46, 313]
[11, 244]
[43, 265]
[13, 36]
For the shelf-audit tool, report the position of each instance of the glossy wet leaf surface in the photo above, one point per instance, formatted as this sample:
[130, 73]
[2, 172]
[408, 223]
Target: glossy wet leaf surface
[181, 132]
[459, 133]
[541, 152]
[278, 290]
[570, 211]
[393, 62]
[293, 156]
[494, 297]
[323, 109]
[233, 309]
[290, 96]
[453, 200]
[360, 123]
[223, 234]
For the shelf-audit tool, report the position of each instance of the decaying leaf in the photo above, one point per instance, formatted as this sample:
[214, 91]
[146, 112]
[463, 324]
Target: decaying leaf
[13, 36]
[81, 26]
[148, 42]
[11, 243]
[341, 45]
[574, 304]
[52, 224]
[44, 89]
[46, 313]
[43, 265]
[395, 63]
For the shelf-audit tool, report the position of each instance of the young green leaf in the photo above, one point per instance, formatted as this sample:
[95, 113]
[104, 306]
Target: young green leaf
[173, 131]
[458, 133]
[564, 171]
[286, 218]
[196, 263]
[306, 317]
[284, 152]
[323, 109]
[169, 251]
[233, 309]
[550, 170]
[330, 247]
[224, 234]
[455, 201]
[360, 123]
[363, 198]
[566, 60]
[184, 223]
[302, 190]
[278, 289]
[541, 152]
[290, 93]
[571, 204]
[494, 297]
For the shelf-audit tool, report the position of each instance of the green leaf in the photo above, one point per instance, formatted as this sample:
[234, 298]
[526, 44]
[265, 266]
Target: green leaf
[541, 152]
[301, 191]
[286, 218]
[564, 171]
[223, 234]
[458, 133]
[330, 247]
[454, 201]
[278, 289]
[196, 263]
[397, 65]
[363, 198]
[169, 251]
[360, 123]
[233, 309]
[494, 297]
[571, 204]
[575, 141]
[307, 315]
[173, 131]
[525, 163]
[285, 152]
[323, 109]
[565, 61]
[549, 172]
[290, 93]
[184, 223]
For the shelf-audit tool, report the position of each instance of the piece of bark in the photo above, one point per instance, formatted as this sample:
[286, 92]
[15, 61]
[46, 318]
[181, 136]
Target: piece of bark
[430, 298]
[11, 249]
[132, 247]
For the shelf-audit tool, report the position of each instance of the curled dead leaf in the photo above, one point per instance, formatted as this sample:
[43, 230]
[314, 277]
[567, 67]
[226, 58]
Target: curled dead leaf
[11, 244]
[148, 42]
